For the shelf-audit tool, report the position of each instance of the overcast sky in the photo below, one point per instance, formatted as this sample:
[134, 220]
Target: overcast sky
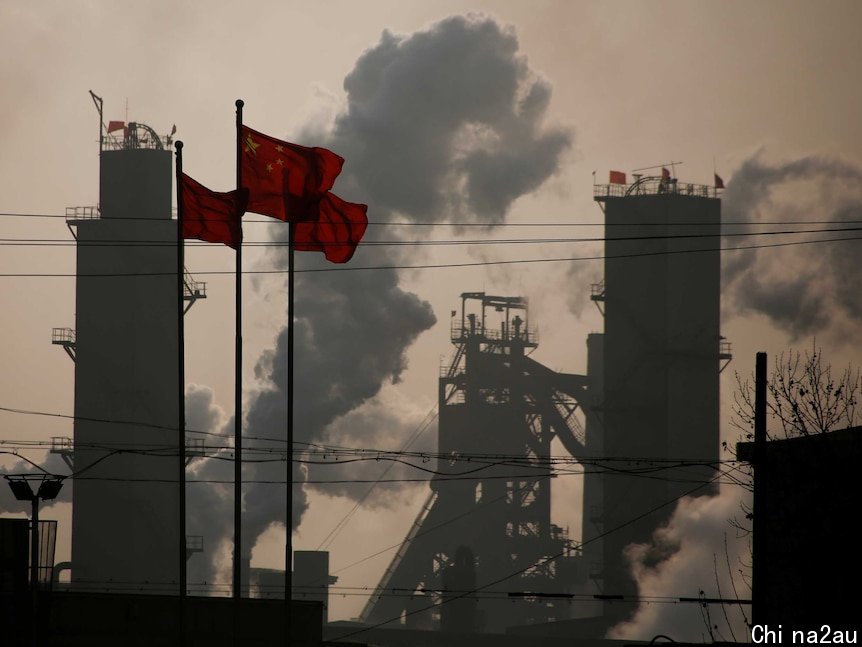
[529, 98]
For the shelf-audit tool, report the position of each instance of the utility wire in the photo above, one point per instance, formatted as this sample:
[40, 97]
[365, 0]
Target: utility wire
[540, 562]
[56, 242]
[451, 223]
[426, 266]
[304, 590]
[430, 417]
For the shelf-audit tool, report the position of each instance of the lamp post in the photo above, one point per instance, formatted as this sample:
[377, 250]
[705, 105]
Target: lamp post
[49, 488]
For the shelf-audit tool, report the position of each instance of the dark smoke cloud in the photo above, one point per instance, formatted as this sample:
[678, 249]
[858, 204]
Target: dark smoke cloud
[447, 122]
[807, 289]
[351, 333]
[202, 413]
[382, 423]
[438, 125]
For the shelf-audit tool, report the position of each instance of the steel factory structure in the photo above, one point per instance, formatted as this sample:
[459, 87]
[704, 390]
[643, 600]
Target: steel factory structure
[483, 554]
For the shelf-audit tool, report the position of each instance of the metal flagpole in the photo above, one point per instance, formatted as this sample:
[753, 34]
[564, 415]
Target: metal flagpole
[288, 523]
[237, 504]
[181, 396]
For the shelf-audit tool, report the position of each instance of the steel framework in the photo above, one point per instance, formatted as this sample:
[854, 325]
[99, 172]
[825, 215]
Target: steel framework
[493, 399]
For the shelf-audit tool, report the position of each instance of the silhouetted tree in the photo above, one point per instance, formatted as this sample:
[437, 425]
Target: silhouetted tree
[803, 395]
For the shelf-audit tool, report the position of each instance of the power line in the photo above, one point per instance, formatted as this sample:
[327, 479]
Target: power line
[170, 586]
[539, 562]
[339, 450]
[451, 223]
[430, 265]
[430, 417]
[132, 423]
[57, 242]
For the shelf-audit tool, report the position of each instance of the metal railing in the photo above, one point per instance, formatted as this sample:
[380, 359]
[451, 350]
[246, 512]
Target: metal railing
[653, 186]
[62, 336]
[83, 213]
[459, 333]
[195, 543]
[193, 289]
[61, 444]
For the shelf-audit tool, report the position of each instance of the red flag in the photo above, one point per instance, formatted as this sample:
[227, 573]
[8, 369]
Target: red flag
[665, 174]
[116, 125]
[335, 229]
[285, 181]
[719, 183]
[618, 177]
[210, 216]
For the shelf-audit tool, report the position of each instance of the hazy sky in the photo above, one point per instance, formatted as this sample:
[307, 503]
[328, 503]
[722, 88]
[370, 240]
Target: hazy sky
[766, 93]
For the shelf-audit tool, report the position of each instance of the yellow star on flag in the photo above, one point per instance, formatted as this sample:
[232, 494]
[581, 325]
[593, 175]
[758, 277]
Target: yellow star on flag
[269, 167]
[251, 146]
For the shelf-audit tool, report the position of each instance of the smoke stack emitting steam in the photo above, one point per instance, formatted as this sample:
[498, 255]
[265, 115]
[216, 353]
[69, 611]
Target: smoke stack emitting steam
[442, 124]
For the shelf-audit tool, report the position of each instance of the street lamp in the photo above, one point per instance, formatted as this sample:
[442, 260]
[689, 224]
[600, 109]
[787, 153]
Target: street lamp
[49, 488]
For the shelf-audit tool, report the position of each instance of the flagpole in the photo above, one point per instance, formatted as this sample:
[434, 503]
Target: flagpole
[237, 504]
[288, 545]
[181, 396]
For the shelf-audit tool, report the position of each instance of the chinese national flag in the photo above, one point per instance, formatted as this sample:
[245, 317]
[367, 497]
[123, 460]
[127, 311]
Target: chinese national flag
[665, 174]
[719, 183]
[618, 177]
[284, 180]
[116, 125]
[210, 216]
[335, 228]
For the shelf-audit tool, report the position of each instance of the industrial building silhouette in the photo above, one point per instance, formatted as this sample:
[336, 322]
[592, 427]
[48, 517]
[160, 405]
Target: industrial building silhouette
[649, 393]
[125, 498]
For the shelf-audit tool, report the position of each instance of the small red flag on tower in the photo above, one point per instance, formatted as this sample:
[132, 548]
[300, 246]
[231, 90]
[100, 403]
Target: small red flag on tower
[665, 174]
[719, 183]
[618, 177]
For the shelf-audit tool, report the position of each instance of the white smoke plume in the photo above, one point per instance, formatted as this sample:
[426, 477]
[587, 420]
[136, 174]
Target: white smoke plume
[698, 553]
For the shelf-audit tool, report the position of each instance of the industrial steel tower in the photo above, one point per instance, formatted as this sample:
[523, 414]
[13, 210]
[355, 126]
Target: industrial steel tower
[124, 455]
[662, 356]
[486, 526]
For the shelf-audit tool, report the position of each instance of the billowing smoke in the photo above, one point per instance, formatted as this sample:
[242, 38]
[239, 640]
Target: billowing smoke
[698, 553]
[208, 504]
[447, 123]
[443, 124]
[801, 289]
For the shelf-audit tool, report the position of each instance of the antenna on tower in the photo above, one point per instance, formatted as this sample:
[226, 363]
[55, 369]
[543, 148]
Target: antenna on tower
[98, 101]
[663, 165]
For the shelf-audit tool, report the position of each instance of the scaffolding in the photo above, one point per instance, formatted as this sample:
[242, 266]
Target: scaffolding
[493, 399]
